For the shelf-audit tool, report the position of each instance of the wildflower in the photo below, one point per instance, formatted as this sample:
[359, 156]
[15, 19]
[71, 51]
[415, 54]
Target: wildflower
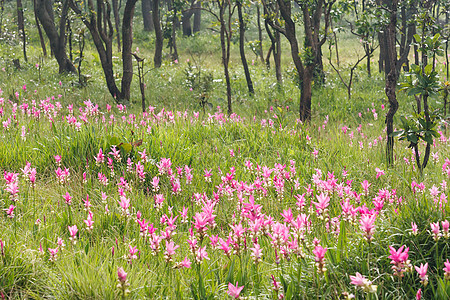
[132, 253]
[234, 291]
[322, 203]
[123, 282]
[61, 244]
[367, 226]
[422, 270]
[89, 223]
[414, 229]
[256, 253]
[447, 270]
[419, 294]
[319, 252]
[186, 263]
[53, 254]
[435, 231]
[170, 250]
[362, 282]
[445, 229]
[399, 260]
[379, 172]
[10, 211]
[201, 254]
[67, 198]
[2, 248]
[73, 233]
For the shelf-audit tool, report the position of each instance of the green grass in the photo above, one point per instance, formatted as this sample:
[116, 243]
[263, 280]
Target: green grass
[88, 269]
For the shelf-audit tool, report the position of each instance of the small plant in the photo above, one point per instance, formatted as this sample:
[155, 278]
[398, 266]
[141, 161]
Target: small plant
[199, 82]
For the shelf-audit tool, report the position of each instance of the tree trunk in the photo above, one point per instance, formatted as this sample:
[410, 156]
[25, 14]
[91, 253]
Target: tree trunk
[225, 46]
[260, 37]
[158, 34]
[391, 79]
[41, 36]
[197, 16]
[127, 58]
[147, 15]
[306, 94]
[117, 22]
[382, 54]
[21, 28]
[242, 49]
[57, 39]
[186, 22]
[277, 57]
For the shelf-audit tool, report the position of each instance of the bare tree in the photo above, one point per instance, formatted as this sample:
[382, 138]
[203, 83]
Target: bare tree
[57, 36]
[98, 21]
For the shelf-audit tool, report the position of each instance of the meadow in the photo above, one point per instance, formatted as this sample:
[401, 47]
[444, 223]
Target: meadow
[101, 201]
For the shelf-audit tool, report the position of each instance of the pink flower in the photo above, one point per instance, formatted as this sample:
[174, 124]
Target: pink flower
[201, 254]
[10, 211]
[362, 282]
[447, 270]
[121, 275]
[445, 229]
[89, 222]
[256, 253]
[319, 252]
[73, 233]
[234, 291]
[379, 172]
[419, 294]
[422, 270]
[67, 198]
[2, 248]
[414, 228]
[53, 254]
[399, 260]
[322, 203]
[132, 253]
[170, 250]
[365, 185]
[186, 263]
[367, 226]
[435, 230]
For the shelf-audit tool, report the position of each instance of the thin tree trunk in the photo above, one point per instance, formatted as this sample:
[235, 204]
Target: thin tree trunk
[117, 22]
[197, 16]
[41, 37]
[147, 15]
[242, 49]
[127, 58]
[260, 37]
[21, 28]
[157, 60]
[391, 80]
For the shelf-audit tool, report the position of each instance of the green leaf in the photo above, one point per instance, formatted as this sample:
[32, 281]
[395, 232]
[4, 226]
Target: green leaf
[126, 147]
[428, 69]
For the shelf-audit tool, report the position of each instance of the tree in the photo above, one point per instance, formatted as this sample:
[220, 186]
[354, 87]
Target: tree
[98, 21]
[226, 11]
[57, 36]
[391, 76]
[275, 39]
[313, 11]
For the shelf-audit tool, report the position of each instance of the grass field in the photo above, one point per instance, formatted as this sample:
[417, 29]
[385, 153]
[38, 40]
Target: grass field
[194, 205]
